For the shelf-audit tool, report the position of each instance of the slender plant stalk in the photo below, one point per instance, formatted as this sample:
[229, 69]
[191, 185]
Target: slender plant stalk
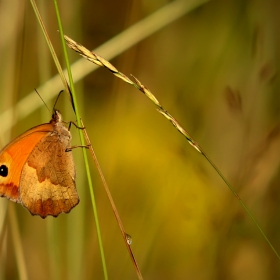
[22, 270]
[95, 58]
[76, 108]
[126, 237]
[55, 59]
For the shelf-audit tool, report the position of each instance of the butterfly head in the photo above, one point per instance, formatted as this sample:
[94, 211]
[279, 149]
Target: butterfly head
[56, 117]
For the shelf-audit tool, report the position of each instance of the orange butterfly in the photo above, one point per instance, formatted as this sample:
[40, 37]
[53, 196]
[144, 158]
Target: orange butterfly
[36, 170]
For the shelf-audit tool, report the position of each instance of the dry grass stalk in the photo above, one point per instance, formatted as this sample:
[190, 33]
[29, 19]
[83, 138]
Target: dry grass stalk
[102, 62]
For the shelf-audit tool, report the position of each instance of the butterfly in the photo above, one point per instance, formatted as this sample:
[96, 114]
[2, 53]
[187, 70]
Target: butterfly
[37, 169]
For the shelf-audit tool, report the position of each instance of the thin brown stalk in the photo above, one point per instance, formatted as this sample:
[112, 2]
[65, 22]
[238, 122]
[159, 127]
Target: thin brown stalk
[126, 237]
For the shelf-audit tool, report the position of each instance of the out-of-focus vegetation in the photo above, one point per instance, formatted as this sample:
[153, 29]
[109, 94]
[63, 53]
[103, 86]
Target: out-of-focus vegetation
[215, 70]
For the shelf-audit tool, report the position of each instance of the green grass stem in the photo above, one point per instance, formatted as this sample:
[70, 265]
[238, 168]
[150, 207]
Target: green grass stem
[76, 108]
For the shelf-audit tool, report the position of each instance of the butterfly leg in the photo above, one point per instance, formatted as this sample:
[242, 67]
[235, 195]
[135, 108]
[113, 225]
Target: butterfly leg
[77, 146]
[79, 127]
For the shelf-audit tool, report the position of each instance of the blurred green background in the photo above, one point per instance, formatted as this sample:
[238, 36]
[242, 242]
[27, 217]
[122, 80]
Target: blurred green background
[216, 71]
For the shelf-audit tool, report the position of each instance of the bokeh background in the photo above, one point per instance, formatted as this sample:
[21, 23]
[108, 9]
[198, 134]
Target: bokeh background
[215, 70]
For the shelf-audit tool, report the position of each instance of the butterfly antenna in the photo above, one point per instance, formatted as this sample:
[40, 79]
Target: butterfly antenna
[57, 99]
[43, 100]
